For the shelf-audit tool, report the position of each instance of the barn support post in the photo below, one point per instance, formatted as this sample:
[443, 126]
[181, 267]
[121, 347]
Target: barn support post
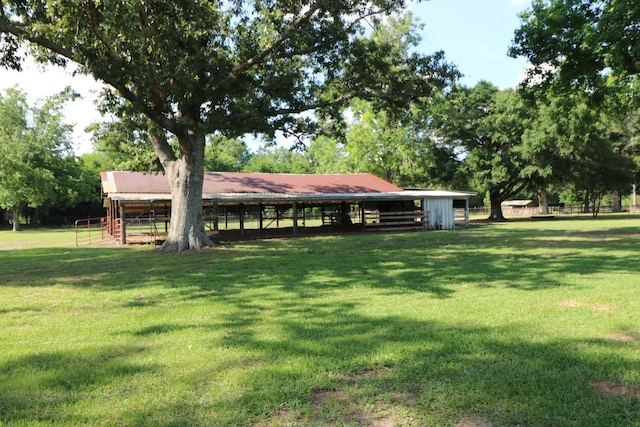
[304, 216]
[111, 218]
[123, 227]
[153, 230]
[115, 214]
[466, 213]
[215, 216]
[260, 207]
[425, 213]
[241, 218]
[167, 214]
[363, 223]
[294, 207]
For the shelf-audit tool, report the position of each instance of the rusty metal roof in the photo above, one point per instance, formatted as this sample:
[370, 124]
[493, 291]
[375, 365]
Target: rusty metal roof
[253, 188]
[241, 182]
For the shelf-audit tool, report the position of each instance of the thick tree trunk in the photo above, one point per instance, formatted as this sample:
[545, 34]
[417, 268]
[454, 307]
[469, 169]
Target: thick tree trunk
[186, 176]
[16, 218]
[496, 209]
[586, 202]
[616, 204]
[543, 197]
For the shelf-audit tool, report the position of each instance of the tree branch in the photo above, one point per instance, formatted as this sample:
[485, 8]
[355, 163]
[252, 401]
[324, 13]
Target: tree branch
[7, 26]
[256, 59]
[162, 148]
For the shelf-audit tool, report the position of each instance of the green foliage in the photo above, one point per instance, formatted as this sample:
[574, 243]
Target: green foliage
[587, 54]
[326, 155]
[392, 150]
[277, 160]
[235, 68]
[36, 163]
[526, 323]
[124, 146]
[225, 154]
[573, 144]
[581, 43]
[487, 126]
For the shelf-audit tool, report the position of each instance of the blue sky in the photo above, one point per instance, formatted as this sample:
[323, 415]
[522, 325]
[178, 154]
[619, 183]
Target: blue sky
[475, 35]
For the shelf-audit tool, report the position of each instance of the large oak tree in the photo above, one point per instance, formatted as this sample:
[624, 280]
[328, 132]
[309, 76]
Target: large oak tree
[486, 126]
[194, 68]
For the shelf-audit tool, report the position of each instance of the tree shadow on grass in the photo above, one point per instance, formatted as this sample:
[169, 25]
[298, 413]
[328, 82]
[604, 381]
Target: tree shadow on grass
[334, 366]
[324, 361]
[431, 263]
[44, 387]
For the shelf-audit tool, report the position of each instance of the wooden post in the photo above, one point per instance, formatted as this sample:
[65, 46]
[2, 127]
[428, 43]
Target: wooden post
[123, 227]
[466, 212]
[215, 216]
[111, 218]
[425, 213]
[295, 218]
[241, 218]
[167, 214]
[304, 216]
[260, 214]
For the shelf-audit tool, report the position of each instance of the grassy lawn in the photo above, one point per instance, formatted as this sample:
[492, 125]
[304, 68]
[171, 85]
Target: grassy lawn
[516, 324]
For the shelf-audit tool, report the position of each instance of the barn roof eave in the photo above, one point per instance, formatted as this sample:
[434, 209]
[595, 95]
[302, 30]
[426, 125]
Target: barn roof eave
[249, 198]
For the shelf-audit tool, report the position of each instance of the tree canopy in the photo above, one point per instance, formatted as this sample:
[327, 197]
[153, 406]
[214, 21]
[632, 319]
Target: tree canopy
[487, 126]
[36, 165]
[580, 42]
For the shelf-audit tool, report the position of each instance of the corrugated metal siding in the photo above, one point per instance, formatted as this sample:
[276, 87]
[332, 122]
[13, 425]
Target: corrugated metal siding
[441, 213]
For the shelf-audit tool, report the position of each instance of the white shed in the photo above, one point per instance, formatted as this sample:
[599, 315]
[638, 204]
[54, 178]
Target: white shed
[447, 209]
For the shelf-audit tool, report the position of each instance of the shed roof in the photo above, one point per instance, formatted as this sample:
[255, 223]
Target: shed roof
[519, 203]
[242, 182]
[234, 187]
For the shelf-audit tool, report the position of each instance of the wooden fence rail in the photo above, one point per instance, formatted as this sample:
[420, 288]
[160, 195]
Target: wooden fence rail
[402, 219]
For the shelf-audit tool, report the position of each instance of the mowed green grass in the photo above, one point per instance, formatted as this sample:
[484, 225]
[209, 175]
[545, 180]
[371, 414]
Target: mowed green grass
[515, 324]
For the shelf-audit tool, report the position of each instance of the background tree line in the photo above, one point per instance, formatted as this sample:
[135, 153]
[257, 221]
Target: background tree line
[568, 134]
[501, 144]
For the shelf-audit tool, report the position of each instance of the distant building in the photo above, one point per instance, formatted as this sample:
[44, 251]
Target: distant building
[519, 207]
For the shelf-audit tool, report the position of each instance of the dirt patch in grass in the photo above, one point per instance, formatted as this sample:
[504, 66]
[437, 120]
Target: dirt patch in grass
[472, 422]
[624, 337]
[603, 307]
[349, 404]
[366, 375]
[572, 303]
[334, 407]
[611, 388]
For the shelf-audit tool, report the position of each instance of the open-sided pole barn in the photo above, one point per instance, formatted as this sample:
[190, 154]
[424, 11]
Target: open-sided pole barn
[262, 204]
